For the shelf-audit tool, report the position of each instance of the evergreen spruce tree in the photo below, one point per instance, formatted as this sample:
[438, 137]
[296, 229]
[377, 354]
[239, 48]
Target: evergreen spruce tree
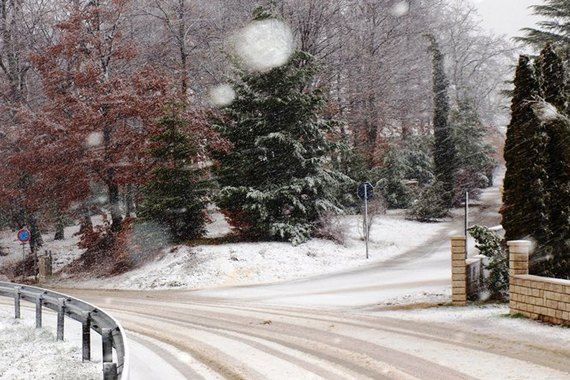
[277, 180]
[554, 28]
[392, 179]
[475, 161]
[525, 197]
[407, 160]
[175, 195]
[445, 154]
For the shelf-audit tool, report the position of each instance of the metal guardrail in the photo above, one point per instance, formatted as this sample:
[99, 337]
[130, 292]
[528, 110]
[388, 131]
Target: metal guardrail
[91, 318]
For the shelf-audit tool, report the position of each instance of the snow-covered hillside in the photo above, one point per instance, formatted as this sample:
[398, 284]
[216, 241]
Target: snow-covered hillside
[253, 263]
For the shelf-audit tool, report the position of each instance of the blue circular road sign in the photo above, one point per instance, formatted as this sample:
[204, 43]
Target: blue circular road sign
[24, 235]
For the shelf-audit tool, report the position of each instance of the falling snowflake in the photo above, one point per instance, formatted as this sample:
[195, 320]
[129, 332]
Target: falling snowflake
[94, 139]
[400, 9]
[264, 45]
[222, 95]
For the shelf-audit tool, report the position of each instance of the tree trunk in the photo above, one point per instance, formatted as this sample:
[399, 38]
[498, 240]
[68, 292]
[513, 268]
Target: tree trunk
[36, 240]
[59, 227]
[113, 189]
[183, 50]
[86, 225]
[129, 201]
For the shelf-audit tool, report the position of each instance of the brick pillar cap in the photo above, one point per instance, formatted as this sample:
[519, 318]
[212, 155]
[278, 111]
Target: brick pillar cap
[458, 237]
[519, 243]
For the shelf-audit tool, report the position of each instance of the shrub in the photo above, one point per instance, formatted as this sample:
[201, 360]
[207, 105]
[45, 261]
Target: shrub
[489, 245]
[331, 227]
[429, 207]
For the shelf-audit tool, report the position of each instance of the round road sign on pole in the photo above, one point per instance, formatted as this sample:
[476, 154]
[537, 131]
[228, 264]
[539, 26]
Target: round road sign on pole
[24, 235]
[365, 191]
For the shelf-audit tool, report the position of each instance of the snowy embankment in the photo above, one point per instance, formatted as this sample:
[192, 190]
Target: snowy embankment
[186, 267]
[30, 353]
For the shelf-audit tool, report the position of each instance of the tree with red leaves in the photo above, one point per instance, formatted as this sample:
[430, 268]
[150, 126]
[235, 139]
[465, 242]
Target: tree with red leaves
[99, 108]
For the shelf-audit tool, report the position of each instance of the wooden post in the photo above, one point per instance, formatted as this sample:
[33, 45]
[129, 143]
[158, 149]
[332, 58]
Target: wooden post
[86, 338]
[17, 297]
[519, 251]
[458, 271]
[107, 343]
[39, 304]
[110, 371]
[60, 319]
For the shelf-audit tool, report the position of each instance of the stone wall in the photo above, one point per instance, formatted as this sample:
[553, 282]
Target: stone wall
[467, 274]
[458, 271]
[541, 298]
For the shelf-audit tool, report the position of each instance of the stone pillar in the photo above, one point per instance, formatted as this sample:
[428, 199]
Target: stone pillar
[458, 271]
[519, 251]
[45, 269]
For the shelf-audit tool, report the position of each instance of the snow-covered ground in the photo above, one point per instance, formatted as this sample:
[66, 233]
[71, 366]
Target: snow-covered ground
[30, 353]
[19, 337]
[204, 266]
[492, 319]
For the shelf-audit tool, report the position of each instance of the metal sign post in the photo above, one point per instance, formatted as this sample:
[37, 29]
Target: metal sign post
[24, 237]
[366, 192]
[366, 219]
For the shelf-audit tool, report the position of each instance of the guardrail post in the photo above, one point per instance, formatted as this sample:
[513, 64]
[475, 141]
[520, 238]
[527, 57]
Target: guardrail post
[39, 304]
[17, 297]
[86, 338]
[110, 371]
[60, 318]
[107, 343]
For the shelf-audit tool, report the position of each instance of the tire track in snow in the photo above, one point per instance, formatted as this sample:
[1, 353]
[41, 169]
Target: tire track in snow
[364, 357]
[534, 353]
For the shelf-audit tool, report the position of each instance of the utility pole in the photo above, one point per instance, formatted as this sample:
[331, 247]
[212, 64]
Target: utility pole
[366, 192]
[466, 222]
[367, 237]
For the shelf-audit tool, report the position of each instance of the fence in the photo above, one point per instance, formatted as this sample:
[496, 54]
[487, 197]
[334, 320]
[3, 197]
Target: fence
[542, 298]
[91, 318]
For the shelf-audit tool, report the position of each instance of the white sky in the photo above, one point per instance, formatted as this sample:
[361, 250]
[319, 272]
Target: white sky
[507, 16]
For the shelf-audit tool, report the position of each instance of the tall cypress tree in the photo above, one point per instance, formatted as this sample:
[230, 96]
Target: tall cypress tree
[277, 179]
[525, 199]
[557, 261]
[175, 195]
[445, 154]
[553, 78]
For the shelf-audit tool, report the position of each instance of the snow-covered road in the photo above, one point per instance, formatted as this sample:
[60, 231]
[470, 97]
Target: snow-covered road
[214, 338]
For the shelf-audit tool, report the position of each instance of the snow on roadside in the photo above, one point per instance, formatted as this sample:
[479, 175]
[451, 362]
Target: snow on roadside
[491, 318]
[264, 262]
[30, 353]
